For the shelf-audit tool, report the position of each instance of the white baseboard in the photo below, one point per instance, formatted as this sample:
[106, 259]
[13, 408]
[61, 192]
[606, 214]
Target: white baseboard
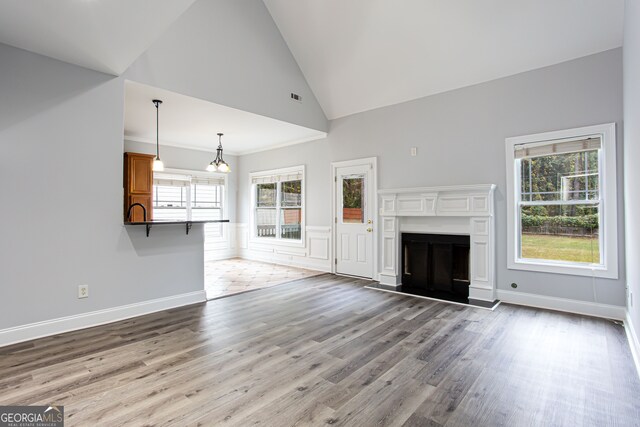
[634, 343]
[94, 318]
[562, 304]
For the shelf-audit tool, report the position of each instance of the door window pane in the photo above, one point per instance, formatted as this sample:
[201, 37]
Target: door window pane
[568, 233]
[353, 199]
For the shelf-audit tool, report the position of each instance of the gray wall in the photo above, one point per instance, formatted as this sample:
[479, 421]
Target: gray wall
[62, 224]
[460, 137]
[230, 52]
[182, 158]
[632, 152]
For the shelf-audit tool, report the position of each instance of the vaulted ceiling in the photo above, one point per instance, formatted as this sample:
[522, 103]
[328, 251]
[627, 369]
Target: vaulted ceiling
[101, 35]
[358, 55]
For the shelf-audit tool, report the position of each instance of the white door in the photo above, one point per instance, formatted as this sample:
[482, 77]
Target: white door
[354, 220]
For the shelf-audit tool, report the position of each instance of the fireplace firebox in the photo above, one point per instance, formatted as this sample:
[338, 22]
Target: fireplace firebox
[436, 265]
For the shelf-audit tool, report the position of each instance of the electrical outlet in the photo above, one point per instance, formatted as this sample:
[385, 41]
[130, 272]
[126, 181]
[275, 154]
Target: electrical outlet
[414, 151]
[83, 291]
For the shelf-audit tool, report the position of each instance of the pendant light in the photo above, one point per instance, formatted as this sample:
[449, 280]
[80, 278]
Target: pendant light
[219, 165]
[158, 166]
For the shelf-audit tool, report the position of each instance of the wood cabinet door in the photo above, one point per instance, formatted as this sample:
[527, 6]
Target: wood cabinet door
[140, 175]
[137, 213]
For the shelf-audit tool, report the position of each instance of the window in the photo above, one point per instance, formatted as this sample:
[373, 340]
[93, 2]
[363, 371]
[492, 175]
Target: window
[278, 204]
[562, 202]
[353, 199]
[184, 197]
[170, 197]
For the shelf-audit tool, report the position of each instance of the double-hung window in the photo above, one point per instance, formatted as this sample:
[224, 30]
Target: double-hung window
[189, 197]
[278, 204]
[561, 194]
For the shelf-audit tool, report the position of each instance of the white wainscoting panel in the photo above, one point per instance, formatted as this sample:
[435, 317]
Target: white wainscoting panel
[222, 248]
[314, 254]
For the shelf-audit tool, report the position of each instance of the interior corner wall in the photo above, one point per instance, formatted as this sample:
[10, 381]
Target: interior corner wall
[61, 145]
[230, 52]
[460, 139]
[631, 157]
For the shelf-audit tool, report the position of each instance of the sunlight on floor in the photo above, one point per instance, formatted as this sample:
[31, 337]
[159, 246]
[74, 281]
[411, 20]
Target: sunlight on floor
[231, 276]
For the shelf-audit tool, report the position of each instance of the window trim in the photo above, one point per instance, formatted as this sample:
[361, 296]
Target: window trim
[252, 190]
[225, 195]
[608, 210]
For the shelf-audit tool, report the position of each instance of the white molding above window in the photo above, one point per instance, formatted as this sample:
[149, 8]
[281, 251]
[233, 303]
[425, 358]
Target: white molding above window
[608, 204]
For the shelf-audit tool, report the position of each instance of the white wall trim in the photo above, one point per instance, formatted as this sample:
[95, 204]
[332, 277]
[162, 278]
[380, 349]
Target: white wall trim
[299, 261]
[314, 255]
[634, 343]
[319, 228]
[94, 318]
[253, 238]
[563, 304]
[196, 147]
[608, 197]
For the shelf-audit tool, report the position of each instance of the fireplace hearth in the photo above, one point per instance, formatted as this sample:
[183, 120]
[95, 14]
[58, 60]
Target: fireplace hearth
[436, 266]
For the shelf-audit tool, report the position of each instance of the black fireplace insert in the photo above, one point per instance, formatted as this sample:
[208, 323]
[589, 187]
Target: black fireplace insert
[436, 265]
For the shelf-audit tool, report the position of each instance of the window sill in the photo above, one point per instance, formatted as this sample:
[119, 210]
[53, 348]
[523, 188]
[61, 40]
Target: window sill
[600, 271]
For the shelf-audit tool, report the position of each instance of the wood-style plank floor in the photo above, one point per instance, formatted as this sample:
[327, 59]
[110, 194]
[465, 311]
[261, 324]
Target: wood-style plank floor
[326, 351]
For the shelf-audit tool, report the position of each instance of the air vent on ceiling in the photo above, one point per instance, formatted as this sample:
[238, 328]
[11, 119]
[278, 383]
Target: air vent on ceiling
[296, 97]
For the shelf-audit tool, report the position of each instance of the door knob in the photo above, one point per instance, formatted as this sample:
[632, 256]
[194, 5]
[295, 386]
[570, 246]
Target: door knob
[369, 229]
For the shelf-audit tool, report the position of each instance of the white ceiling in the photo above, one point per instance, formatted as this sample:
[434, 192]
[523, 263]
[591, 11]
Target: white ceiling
[103, 35]
[356, 55]
[363, 54]
[193, 123]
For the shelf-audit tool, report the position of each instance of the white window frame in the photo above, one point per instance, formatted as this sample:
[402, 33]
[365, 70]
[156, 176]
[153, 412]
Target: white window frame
[608, 209]
[225, 196]
[252, 189]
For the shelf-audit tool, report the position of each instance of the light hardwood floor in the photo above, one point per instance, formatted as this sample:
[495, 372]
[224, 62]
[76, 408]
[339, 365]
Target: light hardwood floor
[236, 275]
[326, 351]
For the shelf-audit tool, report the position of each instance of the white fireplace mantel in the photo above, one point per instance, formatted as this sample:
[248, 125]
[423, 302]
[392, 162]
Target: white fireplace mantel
[462, 209]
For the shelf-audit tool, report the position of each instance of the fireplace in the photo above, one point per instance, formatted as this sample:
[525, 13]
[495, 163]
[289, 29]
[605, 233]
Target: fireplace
[436, 265]
[417, 219]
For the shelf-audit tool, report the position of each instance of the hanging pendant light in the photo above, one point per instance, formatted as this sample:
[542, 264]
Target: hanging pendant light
[219, 165]
[158, 166]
